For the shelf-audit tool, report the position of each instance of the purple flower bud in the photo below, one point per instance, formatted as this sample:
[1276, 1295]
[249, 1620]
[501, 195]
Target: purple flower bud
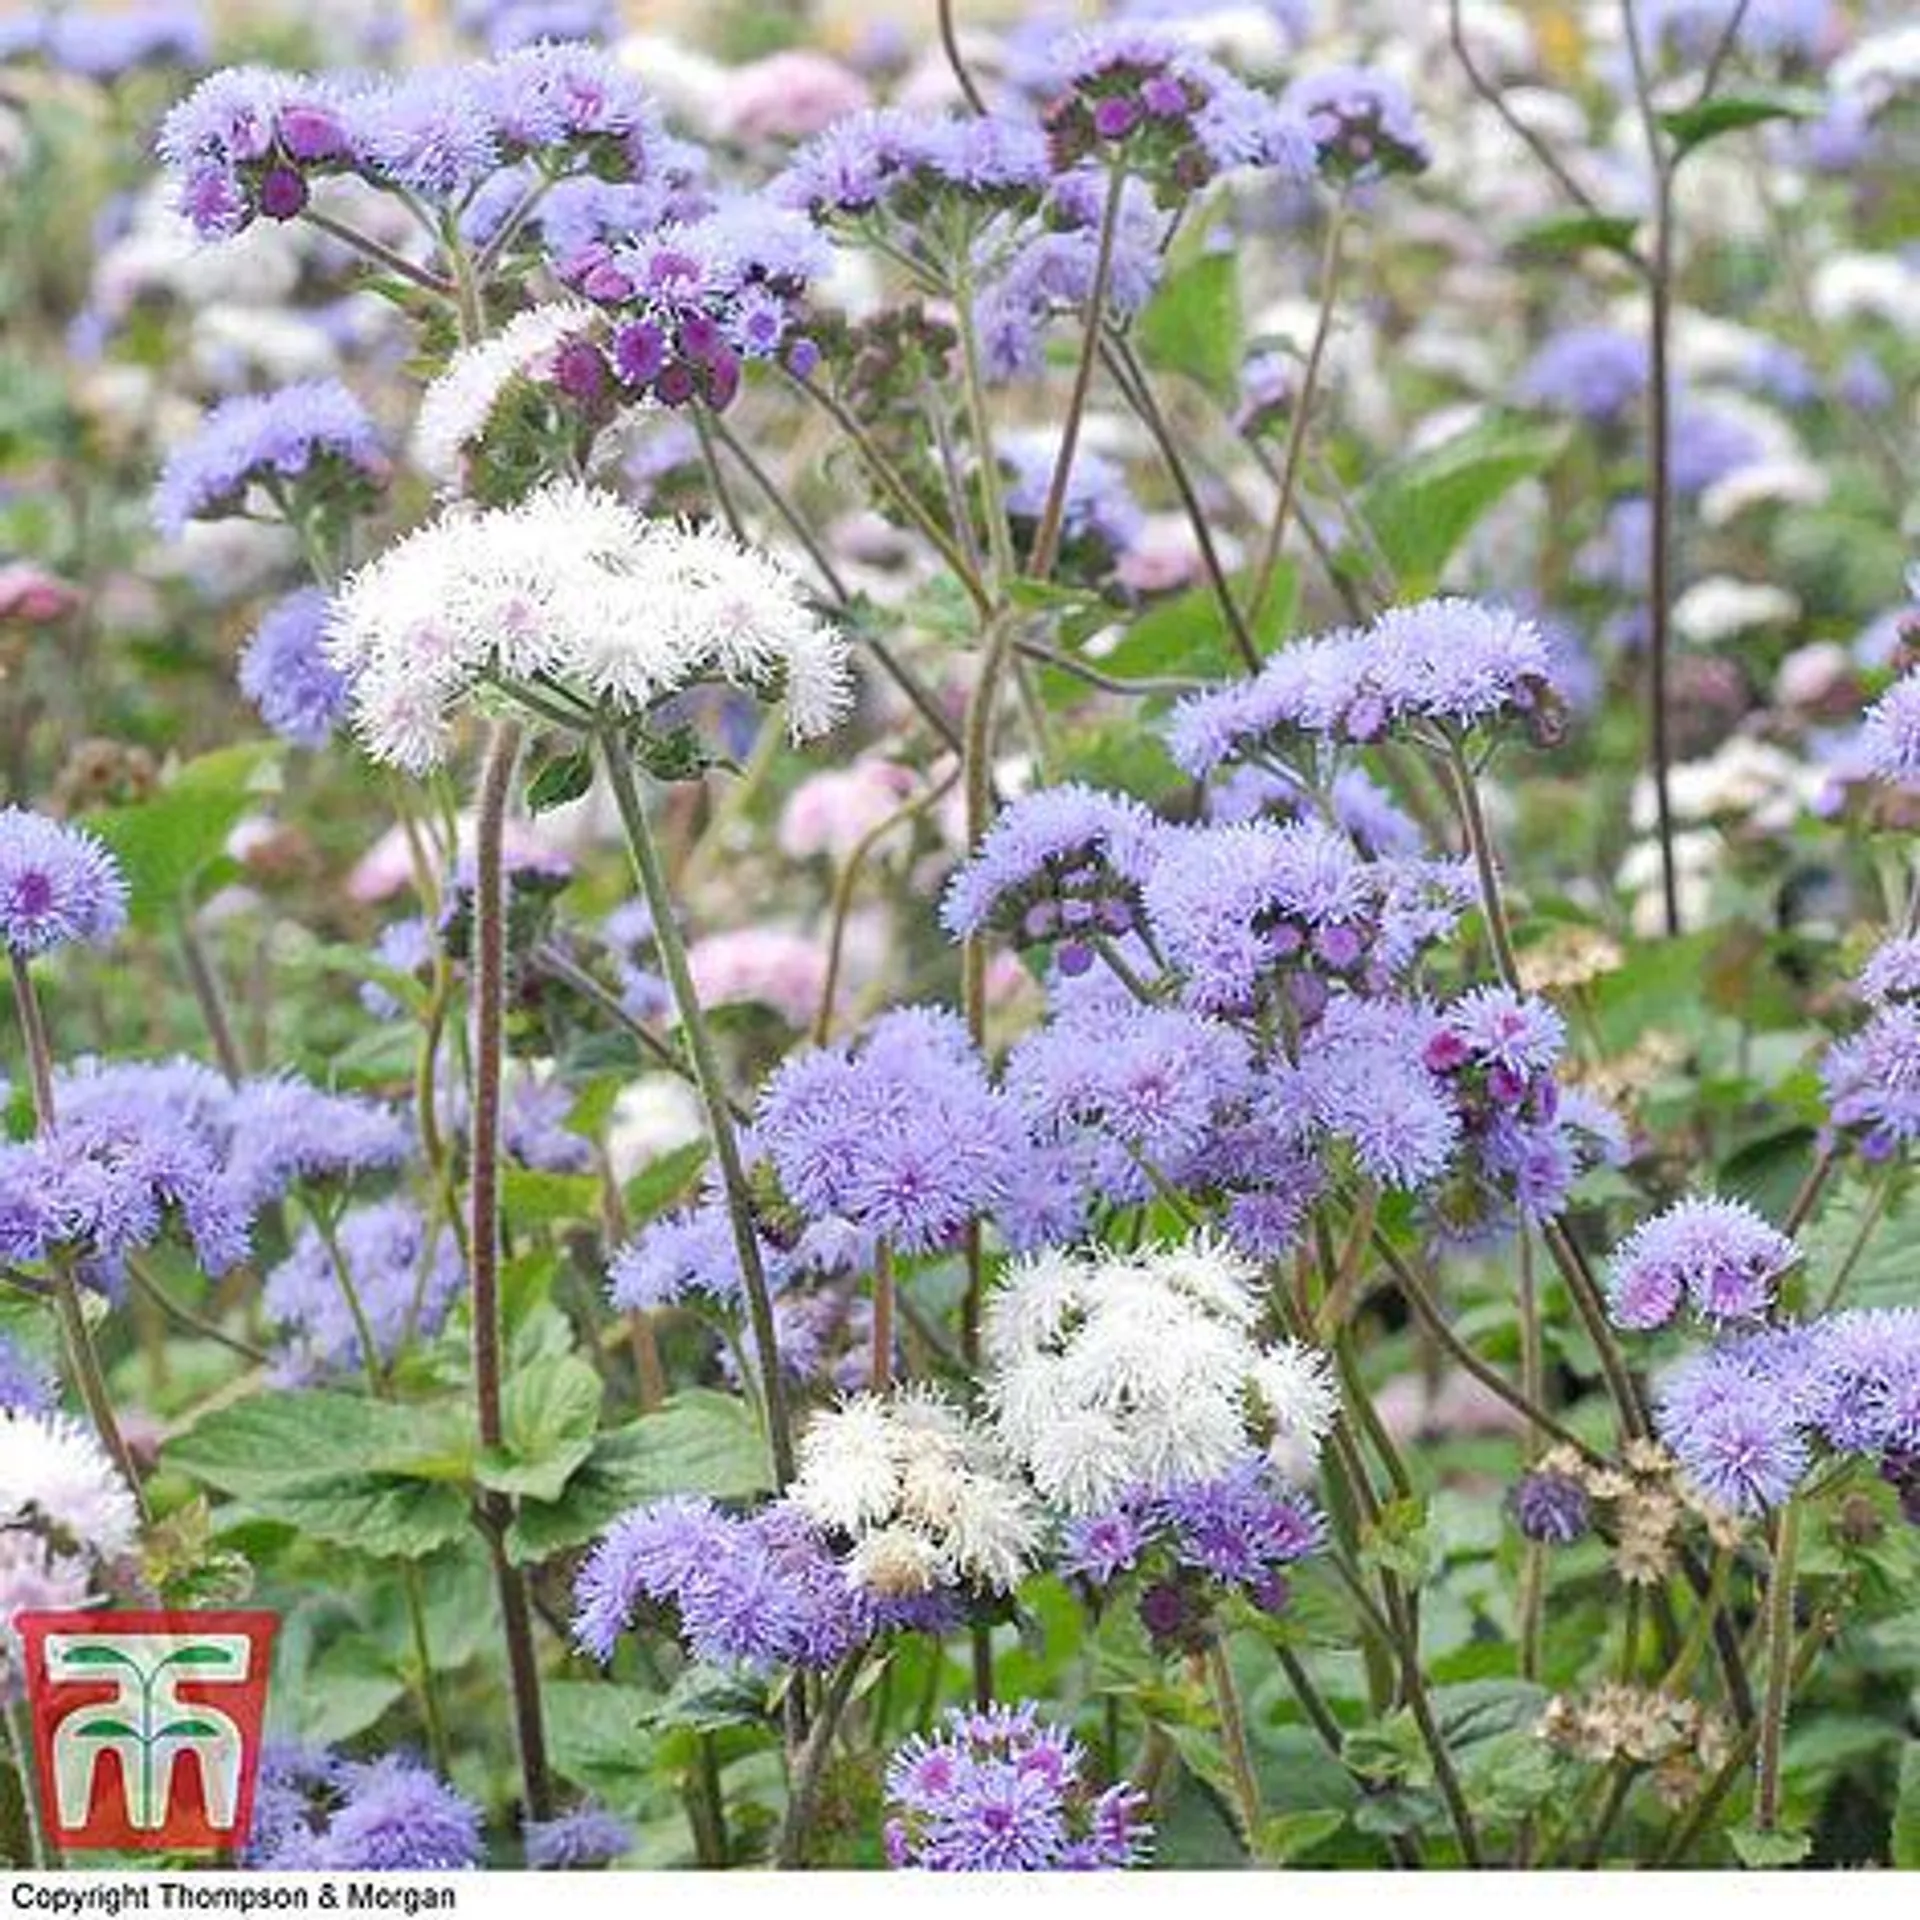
[1552, 1508]
[1505, 1087]
[699, 338]
[605, 281]
[803, 356]
[1446, 1052]
[1164, 1610]
[1309, 995]
[723, 379]
[1270, 1590]
[1076, 913]
[1339, 946]
[1116, 917]
[674, 386]
[1164, 97]
[1114, 119]
[311, 133]
[580, 371]
[282, 193]
[1040, 920]
[639, 351]
[1367, 718]
[1074, 958]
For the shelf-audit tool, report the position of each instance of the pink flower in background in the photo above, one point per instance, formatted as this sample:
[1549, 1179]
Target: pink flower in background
[386, 868]
[1165, 555]
[788, 96]
[833, 812]
[767, 965]
[35, 596]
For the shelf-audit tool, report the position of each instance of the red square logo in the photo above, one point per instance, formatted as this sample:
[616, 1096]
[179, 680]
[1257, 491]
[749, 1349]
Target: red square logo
[147, 1726]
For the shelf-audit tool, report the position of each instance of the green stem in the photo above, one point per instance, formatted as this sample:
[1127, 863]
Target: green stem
[1233, 1737]
[83, 1358]
[1779, 1683]
[207, 995]
[713, 1093]
[489, 1026]
[438, 1749]
[811, 1765]
[1302, 408]
[1053, 515]
[40, 1850]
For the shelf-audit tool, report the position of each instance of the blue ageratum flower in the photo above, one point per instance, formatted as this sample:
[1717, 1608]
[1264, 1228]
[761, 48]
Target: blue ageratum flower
[405, 1287]
[1060, 866]
[588, 1836]
[292, 685]
[316, 1813]
[58, 885]
[1595, 373]
[311, 434]
[1361, 122]
[1718, 1255]
[759, 1590]
[901, 1135]
[1872, 1083]
[25, 1385]
[1003, 1791]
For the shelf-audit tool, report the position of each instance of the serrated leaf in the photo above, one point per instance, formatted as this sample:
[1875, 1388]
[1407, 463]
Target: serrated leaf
[534, 1197]
[1693, 127]
[663, 1181]
[1421, 510]
[548, 1414]
[1571, 233]
[1193, 324]
[382, 1479]
[699, 1442]
[1400, 1541]
[1905, 1837]
[164, 842]
[1756, 1849]
[1286, 1836]
[560, 780]
[1189, 634]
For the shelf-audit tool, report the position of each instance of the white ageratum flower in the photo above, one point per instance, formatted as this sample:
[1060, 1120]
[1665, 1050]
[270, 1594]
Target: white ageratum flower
[457, 407]
[922, 1492]
[55, 1476]
[1114, 1374]
[572, 587]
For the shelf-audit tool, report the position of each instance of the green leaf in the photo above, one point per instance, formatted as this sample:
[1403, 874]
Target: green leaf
[1400, 1541]
[699, 1442]
[548, 1412]
[385, 1480]
[1567, 234]
[189, 1730]
[200, 1657]
[560, 779]
[1906, 1809]
[1286, 1836]
[596, 1730]
[276, 1440]
[96, 1656]
[1756, 1849]
[164, 842]
[662, 1181]
[1192, 325]
[538, 1199]
[1421, 510]
[1189, 634]
[1694, 126]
